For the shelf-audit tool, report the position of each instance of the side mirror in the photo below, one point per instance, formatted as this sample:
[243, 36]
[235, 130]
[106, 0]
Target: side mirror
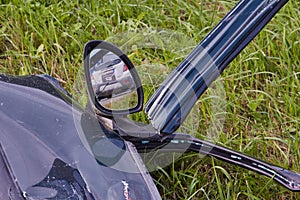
[113, 83]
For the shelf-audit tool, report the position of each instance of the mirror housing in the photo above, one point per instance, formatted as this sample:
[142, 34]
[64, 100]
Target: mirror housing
[113, 84]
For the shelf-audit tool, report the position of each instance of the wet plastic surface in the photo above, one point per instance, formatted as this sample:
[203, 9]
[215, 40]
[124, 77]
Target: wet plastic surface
[47, 157]
[171, 103]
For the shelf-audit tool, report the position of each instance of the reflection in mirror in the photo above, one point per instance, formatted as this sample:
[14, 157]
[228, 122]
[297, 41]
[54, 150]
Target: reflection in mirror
[112, 82]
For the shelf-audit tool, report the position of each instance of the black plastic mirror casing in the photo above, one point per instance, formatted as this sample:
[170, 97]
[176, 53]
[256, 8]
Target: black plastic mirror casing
[89, 46]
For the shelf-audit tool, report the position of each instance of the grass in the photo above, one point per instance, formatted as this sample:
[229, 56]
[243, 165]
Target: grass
[262, 115]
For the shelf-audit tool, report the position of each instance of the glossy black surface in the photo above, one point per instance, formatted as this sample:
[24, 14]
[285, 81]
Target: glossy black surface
[98, 44]
[179, 142]
[171, 103]
[40, 130]
[50, 149]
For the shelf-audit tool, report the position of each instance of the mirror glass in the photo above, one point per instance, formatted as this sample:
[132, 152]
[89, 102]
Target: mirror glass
[112, 82]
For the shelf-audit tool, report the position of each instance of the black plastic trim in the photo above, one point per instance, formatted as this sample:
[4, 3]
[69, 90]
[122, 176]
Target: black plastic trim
[89, 46]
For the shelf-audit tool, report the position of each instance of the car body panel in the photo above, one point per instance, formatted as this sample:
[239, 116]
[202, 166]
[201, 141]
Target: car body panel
[41, 132]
